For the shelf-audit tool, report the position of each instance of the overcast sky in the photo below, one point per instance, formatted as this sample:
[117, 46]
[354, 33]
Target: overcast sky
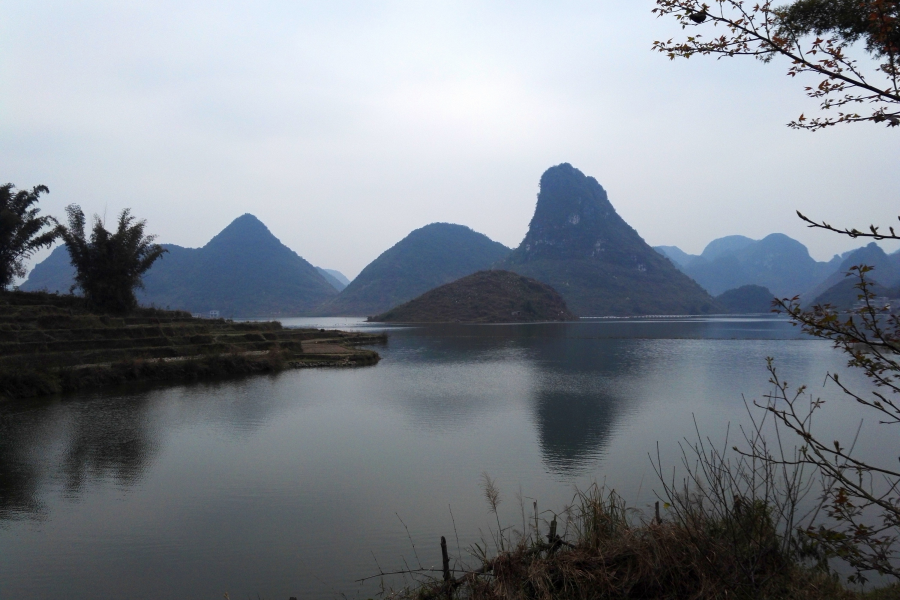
[345, 125]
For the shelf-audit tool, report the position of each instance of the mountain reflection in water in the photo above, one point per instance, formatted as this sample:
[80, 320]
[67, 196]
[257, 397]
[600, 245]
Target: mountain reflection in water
[575, 388]
[286, 485]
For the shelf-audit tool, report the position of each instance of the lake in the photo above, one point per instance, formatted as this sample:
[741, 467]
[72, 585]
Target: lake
[300, 483]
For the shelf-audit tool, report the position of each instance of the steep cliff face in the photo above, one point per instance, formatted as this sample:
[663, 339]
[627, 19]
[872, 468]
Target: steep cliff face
[578, 244]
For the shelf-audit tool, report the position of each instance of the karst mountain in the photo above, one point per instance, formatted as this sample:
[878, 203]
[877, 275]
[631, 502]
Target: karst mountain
[578, 244]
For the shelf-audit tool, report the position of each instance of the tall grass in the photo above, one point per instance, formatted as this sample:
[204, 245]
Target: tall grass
[730, 527]
[606, 550]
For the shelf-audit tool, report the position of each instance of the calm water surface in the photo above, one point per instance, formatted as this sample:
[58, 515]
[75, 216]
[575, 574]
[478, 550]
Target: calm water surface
[300, 483]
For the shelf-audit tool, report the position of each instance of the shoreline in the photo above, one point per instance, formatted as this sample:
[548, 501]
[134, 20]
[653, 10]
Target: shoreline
[52, 344]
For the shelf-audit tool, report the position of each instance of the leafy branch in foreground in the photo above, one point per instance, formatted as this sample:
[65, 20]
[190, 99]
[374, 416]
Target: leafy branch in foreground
[815, 36]
[860, 497]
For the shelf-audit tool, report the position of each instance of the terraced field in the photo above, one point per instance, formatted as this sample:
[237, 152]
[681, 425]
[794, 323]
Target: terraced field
[52, 344]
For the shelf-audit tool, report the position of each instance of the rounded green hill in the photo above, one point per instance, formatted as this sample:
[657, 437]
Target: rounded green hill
[483, 297]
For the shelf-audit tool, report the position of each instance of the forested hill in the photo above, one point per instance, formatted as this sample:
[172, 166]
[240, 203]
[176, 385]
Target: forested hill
[580, 246]
[428, 257]
[244, 271]
[483, 297]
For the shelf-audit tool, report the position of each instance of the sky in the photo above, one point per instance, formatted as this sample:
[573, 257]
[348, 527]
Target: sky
[345, 125]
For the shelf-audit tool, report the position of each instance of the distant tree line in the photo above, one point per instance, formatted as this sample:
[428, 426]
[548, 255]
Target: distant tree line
[109, 265]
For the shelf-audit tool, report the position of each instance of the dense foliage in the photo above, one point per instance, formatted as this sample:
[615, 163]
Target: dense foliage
[579, 245]
[109, 266]
[428, 257]
[875, 21]
[484, 297]
[22, 231]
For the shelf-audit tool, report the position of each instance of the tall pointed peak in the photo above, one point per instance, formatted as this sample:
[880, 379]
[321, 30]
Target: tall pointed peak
[245, 229]
[573, 218]
[578, 244]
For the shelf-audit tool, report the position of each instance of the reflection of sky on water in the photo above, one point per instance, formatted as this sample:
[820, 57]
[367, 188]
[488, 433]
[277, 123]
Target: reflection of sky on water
[285, 485]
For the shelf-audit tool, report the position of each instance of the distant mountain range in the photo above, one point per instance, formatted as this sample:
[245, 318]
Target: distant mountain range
[779, 263]
[579, 245]
[576, 243]
[886, 273]
[244, 271]
[428, 257]
[335, 278]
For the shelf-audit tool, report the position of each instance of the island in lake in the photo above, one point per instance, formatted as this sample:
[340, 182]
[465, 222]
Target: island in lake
[484, 297]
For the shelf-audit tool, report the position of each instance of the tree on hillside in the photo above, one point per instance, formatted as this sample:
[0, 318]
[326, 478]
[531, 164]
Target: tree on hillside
[109, 266]
[860, 498]
[815, 36]
[22, 231]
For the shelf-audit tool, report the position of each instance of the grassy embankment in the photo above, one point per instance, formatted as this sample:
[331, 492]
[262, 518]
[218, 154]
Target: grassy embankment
[52, 344]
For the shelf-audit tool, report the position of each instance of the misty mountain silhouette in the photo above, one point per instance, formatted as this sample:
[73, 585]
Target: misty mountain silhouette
[428, 257]
[838, 289]
[580, 246]
[335, 278]
[243, 271]
[777, 262]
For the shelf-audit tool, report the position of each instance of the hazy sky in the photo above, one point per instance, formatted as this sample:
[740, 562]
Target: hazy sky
[345, 125]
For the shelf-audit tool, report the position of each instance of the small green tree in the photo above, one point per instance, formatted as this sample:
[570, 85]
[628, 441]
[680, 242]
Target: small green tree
[22, 231]
[110, 265]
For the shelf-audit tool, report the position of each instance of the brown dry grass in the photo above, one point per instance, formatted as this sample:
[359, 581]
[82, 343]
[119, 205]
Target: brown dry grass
[613, 554]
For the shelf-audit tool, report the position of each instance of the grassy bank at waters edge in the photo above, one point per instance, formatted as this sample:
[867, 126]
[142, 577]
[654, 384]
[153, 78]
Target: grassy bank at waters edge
[600, 549]
[52, 344]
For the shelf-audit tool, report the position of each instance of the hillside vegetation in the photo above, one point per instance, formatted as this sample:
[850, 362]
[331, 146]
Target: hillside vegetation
[428, 257]
[484, 297]
[51, 344]
[747, 299]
